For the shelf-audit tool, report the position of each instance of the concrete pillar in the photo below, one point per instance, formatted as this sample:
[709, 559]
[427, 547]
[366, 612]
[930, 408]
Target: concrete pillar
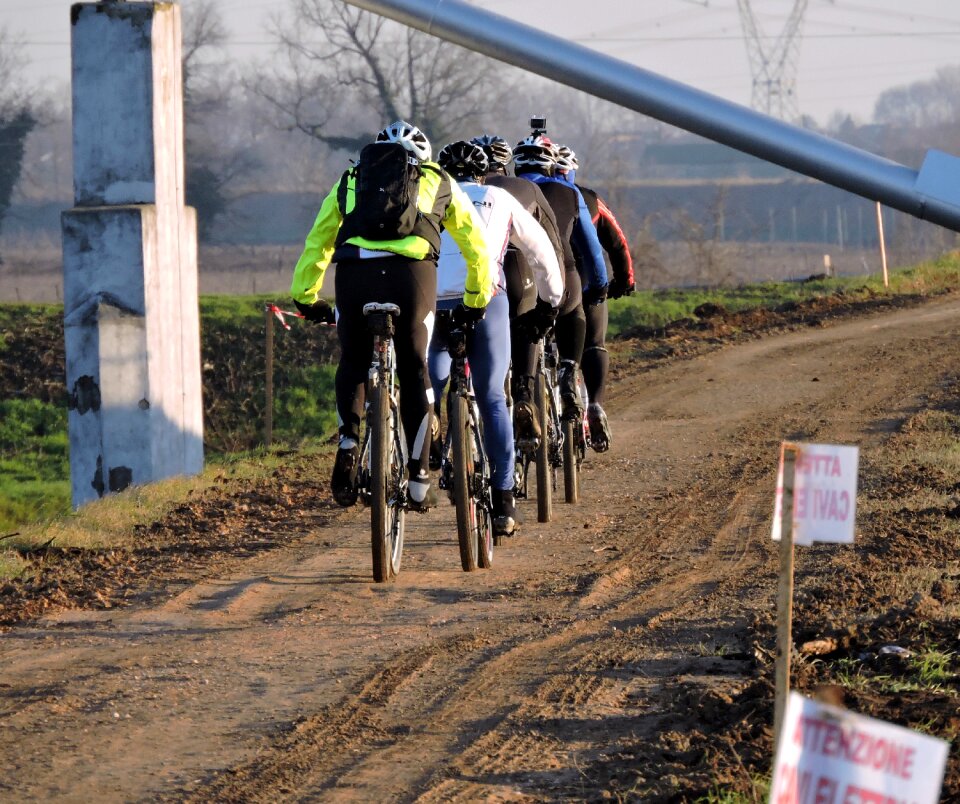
[131, 318]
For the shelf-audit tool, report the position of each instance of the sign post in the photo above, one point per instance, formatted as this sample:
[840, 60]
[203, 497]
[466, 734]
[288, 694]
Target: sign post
[815, 502]
[788, 458]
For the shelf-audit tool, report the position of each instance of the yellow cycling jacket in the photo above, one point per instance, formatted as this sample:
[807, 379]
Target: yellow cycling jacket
[457, 216]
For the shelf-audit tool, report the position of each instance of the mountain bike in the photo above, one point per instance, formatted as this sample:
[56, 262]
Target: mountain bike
[383, 455]
[464, 465]
[545, 452]
[574, 437]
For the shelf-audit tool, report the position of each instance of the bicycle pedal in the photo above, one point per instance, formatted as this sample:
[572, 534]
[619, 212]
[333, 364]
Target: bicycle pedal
[528, 444]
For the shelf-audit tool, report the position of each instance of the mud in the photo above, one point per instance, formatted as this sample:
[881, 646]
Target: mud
[623, 651]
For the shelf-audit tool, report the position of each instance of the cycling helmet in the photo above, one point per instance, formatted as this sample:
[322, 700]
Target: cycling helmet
[463, 160]
[496, 148]
[566, 159]
[535, 151]
[410, 137]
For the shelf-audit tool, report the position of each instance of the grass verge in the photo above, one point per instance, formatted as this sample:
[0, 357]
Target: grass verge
[656, 308]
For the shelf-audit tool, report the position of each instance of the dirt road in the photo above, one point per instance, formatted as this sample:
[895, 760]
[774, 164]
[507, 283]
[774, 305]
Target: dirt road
[602, 653]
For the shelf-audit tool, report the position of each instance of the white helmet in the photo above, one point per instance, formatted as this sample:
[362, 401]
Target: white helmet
[535, 151]
[566, 159]
[410, 137]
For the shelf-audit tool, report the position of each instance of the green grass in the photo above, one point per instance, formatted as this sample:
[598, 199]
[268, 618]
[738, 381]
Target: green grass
[655, 308]
[929, 670]
[34, 464]
[34, 467]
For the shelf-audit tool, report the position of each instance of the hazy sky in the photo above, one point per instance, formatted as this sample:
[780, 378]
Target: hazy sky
[849, 52]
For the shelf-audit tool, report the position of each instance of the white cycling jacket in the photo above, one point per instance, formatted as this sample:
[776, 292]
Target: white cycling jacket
[501, 214]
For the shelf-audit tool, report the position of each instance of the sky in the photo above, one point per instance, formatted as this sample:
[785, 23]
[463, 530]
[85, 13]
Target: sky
[849, 52]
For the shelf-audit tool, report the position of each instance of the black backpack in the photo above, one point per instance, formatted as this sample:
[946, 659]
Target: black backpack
[386, 189]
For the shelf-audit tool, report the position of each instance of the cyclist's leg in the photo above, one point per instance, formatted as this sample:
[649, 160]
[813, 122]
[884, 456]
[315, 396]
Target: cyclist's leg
[489, 355]
[595, 366]
[415, 291]
[438, 361]
[571, 329]
[522, 295]
[596, 362]
[356, 345]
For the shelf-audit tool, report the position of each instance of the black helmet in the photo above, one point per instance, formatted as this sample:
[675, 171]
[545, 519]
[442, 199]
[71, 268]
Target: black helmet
[463, 160]
[496, 148]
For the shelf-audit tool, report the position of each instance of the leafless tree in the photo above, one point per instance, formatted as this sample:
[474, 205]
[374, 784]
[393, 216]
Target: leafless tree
[17, 116]
[217, 155]
[341, 68]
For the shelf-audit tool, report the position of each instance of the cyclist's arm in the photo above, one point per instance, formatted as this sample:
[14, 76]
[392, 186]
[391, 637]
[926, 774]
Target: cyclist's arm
[467, 232]
[614, 242]
[588, 244]
[546, 217]
[537, 248]
[317, 251]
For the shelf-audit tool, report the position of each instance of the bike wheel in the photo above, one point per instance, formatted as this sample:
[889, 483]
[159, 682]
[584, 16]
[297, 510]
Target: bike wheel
[544, 470]
[571, 462]
[463, 481]
[481, 495]
[386, 513]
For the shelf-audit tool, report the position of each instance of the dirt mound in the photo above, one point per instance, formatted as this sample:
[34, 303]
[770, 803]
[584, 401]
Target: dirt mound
[232, 522]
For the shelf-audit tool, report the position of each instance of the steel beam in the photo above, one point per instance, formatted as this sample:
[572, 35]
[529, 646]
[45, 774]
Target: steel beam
[931, 194]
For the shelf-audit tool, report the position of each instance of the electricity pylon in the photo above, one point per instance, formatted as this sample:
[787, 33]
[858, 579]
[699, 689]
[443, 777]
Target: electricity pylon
[774, 67]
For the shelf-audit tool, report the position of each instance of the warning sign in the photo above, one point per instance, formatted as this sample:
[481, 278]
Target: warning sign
[824, 494]
[831, 756]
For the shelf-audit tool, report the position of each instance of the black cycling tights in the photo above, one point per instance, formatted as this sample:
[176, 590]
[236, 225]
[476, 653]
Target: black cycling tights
[571, 327]
[412, 286]
[596, 362]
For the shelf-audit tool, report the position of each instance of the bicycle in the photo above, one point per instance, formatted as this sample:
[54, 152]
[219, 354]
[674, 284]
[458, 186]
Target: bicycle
[545, 452]
[574, 438]
[464, 465]
[383, 455]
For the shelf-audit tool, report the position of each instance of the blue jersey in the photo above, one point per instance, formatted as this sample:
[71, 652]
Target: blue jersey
[592, 268]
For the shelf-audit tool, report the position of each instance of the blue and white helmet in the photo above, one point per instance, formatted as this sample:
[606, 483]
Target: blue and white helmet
[410, 137]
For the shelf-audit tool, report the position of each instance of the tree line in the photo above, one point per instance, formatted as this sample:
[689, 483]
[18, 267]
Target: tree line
[336, 74]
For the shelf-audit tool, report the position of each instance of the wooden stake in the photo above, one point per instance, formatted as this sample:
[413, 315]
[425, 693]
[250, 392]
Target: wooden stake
[268, 412]
[883, 246]
[785, 591]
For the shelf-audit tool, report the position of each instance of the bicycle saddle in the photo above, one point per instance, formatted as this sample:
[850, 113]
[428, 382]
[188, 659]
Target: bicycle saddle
[377, 307]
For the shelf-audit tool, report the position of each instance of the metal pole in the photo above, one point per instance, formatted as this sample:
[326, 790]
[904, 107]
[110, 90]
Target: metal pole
[932, 194]
[883, 246]
[268, 412]
[785, 591]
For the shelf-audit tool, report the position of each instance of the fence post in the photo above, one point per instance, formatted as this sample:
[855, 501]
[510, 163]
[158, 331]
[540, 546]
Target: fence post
[883, 246]
[785, 593]
[268, 346]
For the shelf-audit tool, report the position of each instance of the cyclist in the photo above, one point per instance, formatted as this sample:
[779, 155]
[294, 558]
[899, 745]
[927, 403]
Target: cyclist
[585, 271]
[401, 270]
[488, 343]
[531, 314]
[596, 363]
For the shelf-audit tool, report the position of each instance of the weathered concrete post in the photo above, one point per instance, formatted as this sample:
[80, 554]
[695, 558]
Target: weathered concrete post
[131, 319]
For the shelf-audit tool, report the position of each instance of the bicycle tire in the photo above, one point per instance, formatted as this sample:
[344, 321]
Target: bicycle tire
[386, 520]
[544, 470]
[481, 494]
[466, 506]
[571, 467]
